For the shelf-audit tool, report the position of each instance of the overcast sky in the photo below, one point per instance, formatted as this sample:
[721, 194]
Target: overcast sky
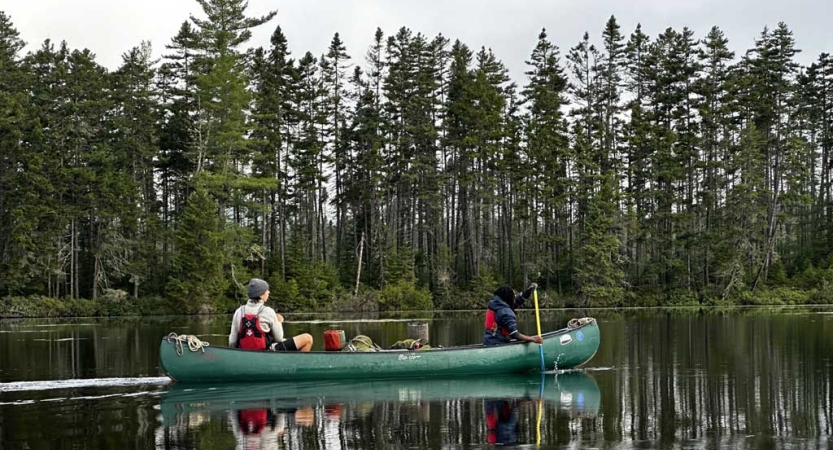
[509, 27]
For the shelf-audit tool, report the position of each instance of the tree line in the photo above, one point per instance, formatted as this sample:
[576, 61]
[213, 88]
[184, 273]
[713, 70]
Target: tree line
[621, 167]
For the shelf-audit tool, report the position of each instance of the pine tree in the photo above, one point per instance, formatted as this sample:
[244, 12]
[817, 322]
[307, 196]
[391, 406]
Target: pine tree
[610, 80]
[637, 133]
[598, 276]
[334, 76]
[197, 278]
[458, 111]
[178, 136]
[365, 187]
[714, 109]
[223, 96]
[272, 117]
[772, 68]
[136, 141]
[18, 253]
[307, 159]
[544, 177]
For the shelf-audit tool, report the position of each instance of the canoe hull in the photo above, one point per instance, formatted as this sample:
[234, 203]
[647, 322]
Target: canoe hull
[563, 349]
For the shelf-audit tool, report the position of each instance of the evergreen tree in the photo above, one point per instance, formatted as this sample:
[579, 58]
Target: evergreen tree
[197, 277]
[544, 177]
[223, 96]
[653, 164]
[272, 117]
[18, 252]
[334, 66]
[637, 136]
[135, 140]
[772, 70]
[714, 109]
[177, 158]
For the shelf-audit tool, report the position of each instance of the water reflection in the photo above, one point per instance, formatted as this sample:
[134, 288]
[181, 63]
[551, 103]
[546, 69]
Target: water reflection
[677, 379]
[369, 414]
[502, 421]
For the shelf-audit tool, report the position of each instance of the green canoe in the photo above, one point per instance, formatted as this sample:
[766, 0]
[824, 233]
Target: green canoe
[563, 349]
[576, 392]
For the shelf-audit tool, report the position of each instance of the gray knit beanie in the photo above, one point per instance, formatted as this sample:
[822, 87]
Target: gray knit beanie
[257, 287]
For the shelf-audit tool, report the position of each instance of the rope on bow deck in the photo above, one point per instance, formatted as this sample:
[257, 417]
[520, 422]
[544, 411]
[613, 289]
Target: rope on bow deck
[575, 323]
[193, 342]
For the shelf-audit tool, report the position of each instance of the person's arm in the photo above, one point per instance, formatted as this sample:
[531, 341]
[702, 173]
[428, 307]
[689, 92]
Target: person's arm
[535, 339]
[235, 322]
[524, 296]
[275, 321]
[507, 320]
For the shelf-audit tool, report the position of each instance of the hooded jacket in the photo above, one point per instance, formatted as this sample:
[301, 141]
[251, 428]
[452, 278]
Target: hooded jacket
[505, 318]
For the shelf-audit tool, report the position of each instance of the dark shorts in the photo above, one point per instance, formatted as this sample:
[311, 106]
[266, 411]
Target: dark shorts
[286, 346]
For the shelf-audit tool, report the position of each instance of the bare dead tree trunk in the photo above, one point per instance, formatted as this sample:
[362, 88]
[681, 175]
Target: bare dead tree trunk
[359, 267]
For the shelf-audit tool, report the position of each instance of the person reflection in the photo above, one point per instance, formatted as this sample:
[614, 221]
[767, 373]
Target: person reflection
[263, 428]
[257, 428]
[502, 421]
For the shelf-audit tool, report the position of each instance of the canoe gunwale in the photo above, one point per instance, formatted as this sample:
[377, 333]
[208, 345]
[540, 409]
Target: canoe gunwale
[545, 336]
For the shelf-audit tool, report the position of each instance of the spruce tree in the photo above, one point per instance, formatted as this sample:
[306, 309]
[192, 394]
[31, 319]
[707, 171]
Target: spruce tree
[197, 277]
[18, 254]
[544, 176]
[714, 109]
[132, 249]
[334, 76]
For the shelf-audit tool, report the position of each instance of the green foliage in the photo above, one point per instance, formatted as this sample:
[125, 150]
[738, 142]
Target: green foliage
[649, 172]
[310, 288]
[484, 284]
[681, 297]
[823, 295]
[404, 295]
[780, 296]
[198, 277]
[399, 266]
[114, 302]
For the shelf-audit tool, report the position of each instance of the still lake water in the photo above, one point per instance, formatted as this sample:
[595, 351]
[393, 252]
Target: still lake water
[737, 378]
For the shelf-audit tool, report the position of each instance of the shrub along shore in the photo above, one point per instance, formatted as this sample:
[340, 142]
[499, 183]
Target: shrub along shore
[116, 303]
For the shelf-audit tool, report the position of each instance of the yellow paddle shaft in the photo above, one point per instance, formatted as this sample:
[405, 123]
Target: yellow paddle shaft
[537, 314]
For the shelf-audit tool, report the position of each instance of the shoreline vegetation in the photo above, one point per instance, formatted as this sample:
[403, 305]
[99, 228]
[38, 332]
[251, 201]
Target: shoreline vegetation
[622, 170]
[118, 304]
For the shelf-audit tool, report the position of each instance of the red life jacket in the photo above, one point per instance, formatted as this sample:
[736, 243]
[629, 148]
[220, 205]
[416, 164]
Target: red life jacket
[494, 416]
[491, 426]
[250, 336]
[252, 421]
[491, 323]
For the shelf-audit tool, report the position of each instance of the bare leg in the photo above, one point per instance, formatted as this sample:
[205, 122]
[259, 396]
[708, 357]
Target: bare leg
[303, 342]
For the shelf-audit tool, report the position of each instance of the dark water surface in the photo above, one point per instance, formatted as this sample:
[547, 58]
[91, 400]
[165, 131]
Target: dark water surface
[738, 378]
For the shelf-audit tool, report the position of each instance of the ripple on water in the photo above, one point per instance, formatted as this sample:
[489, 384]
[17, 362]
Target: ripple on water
[20, 386]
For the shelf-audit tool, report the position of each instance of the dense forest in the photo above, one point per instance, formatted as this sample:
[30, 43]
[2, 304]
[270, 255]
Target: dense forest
[624, 169]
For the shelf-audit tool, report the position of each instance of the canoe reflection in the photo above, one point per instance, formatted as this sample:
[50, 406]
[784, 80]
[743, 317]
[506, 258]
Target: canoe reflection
[274, 415]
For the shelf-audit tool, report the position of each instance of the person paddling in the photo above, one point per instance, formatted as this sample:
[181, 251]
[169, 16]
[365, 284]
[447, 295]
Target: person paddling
[256, 326]
[501, 323]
